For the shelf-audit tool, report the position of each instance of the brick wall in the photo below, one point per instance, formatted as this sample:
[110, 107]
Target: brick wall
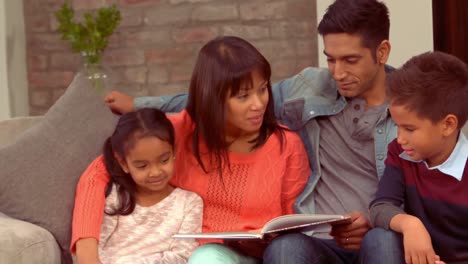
[155, 46]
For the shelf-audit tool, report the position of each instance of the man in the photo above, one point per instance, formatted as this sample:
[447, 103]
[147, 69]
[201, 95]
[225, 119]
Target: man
[342, 118]
[346, 136]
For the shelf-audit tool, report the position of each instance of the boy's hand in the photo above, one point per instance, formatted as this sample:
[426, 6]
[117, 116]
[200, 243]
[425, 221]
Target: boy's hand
[119, 103]
[416, 240]
[438, 261]
[349, 236]
[417, 244]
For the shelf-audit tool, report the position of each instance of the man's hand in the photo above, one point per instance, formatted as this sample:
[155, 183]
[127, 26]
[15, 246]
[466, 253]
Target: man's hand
[349, 236]
[119, 103]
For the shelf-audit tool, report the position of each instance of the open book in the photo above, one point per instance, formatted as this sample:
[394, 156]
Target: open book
[281, 224]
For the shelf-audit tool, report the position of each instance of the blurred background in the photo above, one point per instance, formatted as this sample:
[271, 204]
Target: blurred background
[154, 48]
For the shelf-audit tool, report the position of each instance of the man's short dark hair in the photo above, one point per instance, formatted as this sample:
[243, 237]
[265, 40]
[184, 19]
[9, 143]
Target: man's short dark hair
[367, 18]
[433, 85]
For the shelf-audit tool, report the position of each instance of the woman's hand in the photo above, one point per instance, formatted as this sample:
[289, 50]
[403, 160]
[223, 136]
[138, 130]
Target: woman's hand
[87, 251]
[119, 103]
[88, 260]
[349, 236]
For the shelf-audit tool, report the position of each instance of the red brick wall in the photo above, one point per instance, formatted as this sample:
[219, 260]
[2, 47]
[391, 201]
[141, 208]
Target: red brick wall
[154, 48]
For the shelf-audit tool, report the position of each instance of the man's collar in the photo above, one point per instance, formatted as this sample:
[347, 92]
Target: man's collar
[455, 164]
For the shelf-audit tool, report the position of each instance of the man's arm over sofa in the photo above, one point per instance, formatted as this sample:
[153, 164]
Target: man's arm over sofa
[281, 93]
[167, 104]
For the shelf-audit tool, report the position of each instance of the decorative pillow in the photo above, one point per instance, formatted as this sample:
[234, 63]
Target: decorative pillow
[40, 170]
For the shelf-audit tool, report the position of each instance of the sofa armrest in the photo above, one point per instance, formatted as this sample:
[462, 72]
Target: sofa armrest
[23, 242]
[11, 128]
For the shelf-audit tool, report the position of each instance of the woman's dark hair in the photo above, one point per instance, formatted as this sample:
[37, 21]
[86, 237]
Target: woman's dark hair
[131, 127]
[224, 67]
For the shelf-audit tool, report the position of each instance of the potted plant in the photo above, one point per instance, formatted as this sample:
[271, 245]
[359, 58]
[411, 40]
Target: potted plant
[89, 37]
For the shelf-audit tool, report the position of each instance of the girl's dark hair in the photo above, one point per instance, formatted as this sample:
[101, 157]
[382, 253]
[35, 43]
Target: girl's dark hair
[131, 127]
[224, 66]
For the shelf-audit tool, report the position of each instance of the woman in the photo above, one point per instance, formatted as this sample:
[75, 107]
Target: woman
[231, 151]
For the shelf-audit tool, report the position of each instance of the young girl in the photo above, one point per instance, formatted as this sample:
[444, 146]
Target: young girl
[143, 210]
[232, 152]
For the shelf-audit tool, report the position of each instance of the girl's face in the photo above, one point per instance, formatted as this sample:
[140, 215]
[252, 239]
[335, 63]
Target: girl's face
[244, 111]
[151, 164]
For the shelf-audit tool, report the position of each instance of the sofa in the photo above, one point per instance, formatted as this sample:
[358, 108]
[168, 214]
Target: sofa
[41, 160]
[22, 241]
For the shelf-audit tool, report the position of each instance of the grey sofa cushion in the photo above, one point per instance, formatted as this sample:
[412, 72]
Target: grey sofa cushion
[23, 242]
[39, 171]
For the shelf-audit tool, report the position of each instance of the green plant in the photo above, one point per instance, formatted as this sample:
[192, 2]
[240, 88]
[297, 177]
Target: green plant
[91, 36]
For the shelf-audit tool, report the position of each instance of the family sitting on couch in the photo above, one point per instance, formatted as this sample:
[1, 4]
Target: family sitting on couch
[227, 128]
[359, 139]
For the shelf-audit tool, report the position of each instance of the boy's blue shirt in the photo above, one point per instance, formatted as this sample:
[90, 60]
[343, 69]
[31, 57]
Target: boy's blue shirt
[299, 100]
[455, 164]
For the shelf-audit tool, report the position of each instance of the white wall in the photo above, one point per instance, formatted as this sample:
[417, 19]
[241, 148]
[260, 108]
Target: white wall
[410, 34]
[13, 69]
[5, 111]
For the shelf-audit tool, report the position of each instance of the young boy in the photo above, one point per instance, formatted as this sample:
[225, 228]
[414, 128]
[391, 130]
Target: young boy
[426, 167]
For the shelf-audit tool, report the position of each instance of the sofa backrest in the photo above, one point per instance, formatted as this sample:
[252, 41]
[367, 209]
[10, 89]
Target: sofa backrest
[11, 128]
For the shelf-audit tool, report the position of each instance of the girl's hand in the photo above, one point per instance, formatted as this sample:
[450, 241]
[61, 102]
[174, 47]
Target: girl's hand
[119, 103]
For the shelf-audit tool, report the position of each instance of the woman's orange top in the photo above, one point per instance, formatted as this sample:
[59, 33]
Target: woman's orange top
[257, 187]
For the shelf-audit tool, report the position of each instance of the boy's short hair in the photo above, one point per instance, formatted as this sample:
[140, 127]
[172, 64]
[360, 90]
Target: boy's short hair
[433, 85]
[367, 18]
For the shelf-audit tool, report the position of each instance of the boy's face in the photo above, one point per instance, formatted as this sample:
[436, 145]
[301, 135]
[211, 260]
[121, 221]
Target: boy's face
[420, 138]
[352, 65]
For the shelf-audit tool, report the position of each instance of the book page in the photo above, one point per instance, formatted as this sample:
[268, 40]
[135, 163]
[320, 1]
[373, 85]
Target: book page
[299, 221]
[221, 235]
[278, 224]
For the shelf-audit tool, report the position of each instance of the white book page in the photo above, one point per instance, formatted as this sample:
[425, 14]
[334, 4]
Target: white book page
[221, 235]
[295, 221]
